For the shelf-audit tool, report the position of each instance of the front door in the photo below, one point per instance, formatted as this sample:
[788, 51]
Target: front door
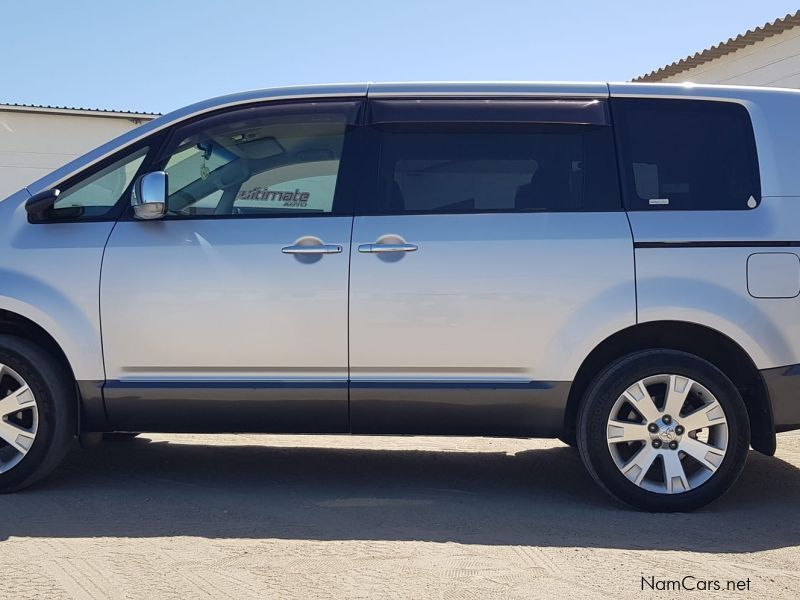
[491, 256]
[230, 314]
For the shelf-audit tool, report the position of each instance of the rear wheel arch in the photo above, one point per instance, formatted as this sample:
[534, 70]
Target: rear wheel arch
[705, 342]
[664, 431]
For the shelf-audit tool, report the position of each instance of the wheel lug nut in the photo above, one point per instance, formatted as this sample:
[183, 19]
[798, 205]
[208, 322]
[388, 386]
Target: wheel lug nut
[656, 443]
[652, 428]
[667, 419]
[679, 429]
[673, 445]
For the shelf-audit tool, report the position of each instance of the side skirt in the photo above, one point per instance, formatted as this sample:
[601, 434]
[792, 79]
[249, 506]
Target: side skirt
[494, 409]
[499, 409]
[217, 407]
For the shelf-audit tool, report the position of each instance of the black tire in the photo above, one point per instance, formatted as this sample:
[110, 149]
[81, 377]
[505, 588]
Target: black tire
[54, 392]
[607, 388]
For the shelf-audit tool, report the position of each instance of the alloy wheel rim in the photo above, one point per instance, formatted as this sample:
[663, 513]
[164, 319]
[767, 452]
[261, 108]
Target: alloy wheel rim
[667, 434]
[19, 418]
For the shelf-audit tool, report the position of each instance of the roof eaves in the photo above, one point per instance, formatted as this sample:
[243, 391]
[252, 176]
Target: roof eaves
[743, 40]
[79, 110]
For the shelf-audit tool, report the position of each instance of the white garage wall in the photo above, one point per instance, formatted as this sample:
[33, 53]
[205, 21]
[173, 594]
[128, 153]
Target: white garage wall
[773, 62]
[34, 142]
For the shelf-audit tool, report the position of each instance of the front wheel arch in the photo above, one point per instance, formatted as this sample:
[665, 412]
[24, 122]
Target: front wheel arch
[22, 327]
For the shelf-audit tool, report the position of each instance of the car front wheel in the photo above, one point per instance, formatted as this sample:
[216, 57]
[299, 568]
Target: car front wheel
[663, 430]
[38, 413]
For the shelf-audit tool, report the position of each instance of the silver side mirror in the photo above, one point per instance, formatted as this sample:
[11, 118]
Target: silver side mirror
[149, 197]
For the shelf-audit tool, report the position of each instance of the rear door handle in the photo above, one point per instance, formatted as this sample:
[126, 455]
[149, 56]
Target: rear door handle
[315, 249]
[376, 248]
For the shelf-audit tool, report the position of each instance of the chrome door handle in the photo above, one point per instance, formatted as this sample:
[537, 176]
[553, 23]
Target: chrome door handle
[375, 248]
[315, 249]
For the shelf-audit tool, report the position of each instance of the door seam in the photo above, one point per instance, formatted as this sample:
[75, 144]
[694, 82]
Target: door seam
[349, 271]
[100, 318]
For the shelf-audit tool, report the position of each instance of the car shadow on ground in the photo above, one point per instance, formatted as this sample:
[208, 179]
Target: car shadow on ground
[539, 497]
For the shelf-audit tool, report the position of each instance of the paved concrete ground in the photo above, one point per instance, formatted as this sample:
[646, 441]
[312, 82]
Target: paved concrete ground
[187, 516]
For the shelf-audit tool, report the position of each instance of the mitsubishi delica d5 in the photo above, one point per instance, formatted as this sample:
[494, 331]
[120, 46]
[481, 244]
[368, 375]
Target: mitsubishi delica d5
[615, 265]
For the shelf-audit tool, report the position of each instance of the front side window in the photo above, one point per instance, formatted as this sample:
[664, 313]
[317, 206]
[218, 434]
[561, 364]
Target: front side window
[686, 155]
[268, 161]
[97, 195]
[491, 167]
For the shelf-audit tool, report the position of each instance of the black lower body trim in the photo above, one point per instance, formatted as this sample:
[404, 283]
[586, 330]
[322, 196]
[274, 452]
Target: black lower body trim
[783, 386]
[527, 409]
[512, 409]
[217, 407]
[93, 410]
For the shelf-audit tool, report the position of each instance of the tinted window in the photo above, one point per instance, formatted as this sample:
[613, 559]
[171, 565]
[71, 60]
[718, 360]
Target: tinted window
[686, 155]
[259, 162]
[98, 194]
[496, 167]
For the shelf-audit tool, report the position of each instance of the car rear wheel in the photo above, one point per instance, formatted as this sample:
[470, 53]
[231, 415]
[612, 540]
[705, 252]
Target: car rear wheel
[663, 431]
[37, 413]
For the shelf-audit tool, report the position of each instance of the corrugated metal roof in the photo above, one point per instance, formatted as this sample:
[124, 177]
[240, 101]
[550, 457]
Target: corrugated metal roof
[100, 111]
[743, 40]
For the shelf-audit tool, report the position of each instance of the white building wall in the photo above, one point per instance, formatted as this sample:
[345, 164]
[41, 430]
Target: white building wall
[34, 142]
[773, 62]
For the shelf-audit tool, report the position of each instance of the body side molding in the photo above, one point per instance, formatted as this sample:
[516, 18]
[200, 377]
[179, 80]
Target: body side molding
[490, 408]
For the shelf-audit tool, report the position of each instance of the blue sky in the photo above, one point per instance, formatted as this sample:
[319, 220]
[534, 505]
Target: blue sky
[156, 55]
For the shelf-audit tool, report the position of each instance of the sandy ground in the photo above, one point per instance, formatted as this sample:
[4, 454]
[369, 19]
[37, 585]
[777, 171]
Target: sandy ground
[246, 516]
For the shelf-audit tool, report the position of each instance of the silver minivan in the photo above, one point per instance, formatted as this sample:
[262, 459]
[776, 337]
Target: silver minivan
[616, 265]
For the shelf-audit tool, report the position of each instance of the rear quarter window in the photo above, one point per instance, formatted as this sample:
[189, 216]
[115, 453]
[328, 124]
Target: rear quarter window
[686, 154]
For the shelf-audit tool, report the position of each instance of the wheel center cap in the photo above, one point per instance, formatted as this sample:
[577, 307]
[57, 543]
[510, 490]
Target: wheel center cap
[667, 433]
